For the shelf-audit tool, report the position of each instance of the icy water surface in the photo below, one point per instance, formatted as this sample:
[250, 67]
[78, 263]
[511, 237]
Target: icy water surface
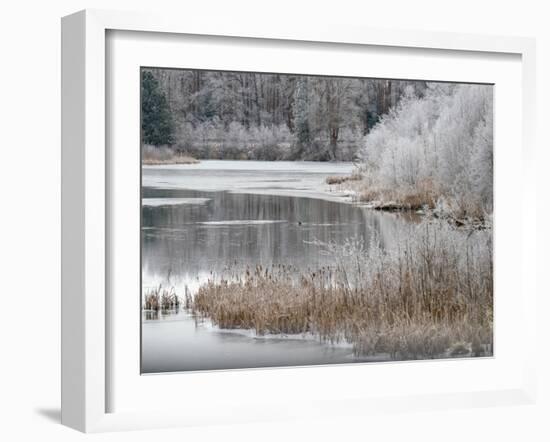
[176, 342]
[199, 219]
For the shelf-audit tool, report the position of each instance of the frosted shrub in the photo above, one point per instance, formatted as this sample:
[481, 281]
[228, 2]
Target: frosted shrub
[350, 142]
[444, 139]
[211, 139]
[186, 137]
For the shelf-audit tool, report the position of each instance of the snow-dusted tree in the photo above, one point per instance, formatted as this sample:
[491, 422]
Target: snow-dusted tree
[301, 114]
[338, 93]
[326, 117]
[440, 144]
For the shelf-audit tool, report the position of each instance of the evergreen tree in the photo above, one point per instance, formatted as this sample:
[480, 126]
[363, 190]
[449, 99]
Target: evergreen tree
[157, 125]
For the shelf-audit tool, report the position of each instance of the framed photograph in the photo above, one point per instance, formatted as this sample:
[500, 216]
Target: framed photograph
[276, 223]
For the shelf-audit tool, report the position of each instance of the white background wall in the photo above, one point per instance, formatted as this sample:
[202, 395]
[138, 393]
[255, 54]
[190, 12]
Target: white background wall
[30, 220]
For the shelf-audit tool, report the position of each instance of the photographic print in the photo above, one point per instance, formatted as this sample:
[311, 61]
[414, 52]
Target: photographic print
[296, 220]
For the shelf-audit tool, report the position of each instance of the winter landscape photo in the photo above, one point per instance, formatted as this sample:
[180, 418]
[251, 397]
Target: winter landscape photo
[295, 220]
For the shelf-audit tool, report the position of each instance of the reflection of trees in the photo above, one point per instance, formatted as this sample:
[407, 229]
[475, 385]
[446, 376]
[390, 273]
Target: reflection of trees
[179, 244]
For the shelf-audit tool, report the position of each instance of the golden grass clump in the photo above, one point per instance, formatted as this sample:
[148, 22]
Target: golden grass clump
[340, 179]
[430, 296]
[424, 195]
[160, 299]
[165, 155]
[176, 159]
[418, 197]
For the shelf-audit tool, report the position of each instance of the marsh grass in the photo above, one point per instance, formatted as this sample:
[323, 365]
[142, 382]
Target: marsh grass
[340, 179]
[161, 299]
[165, 155]
[429, 296]
[391, 200]
[422, 195]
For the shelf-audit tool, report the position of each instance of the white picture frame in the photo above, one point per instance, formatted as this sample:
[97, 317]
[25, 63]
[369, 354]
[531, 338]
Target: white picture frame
[86, 204]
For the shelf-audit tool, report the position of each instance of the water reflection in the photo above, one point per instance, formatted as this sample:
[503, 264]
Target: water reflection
[154, 315]
[191, 229]
[184, 243]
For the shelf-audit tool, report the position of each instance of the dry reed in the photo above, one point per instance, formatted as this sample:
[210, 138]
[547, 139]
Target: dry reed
[429, 296]
[340, 179]
[165, 155]
[160, 299]
[423, 195]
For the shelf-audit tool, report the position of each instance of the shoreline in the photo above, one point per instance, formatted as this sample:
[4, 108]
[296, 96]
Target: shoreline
[206, 324]
[425, 210]
[336, 192]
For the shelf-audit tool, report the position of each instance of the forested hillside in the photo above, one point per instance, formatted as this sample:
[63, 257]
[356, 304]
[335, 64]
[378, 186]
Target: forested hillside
[236, 115]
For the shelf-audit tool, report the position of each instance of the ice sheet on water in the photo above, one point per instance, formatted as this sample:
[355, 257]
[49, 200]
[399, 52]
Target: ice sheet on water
[285, 178]
[277, 166]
